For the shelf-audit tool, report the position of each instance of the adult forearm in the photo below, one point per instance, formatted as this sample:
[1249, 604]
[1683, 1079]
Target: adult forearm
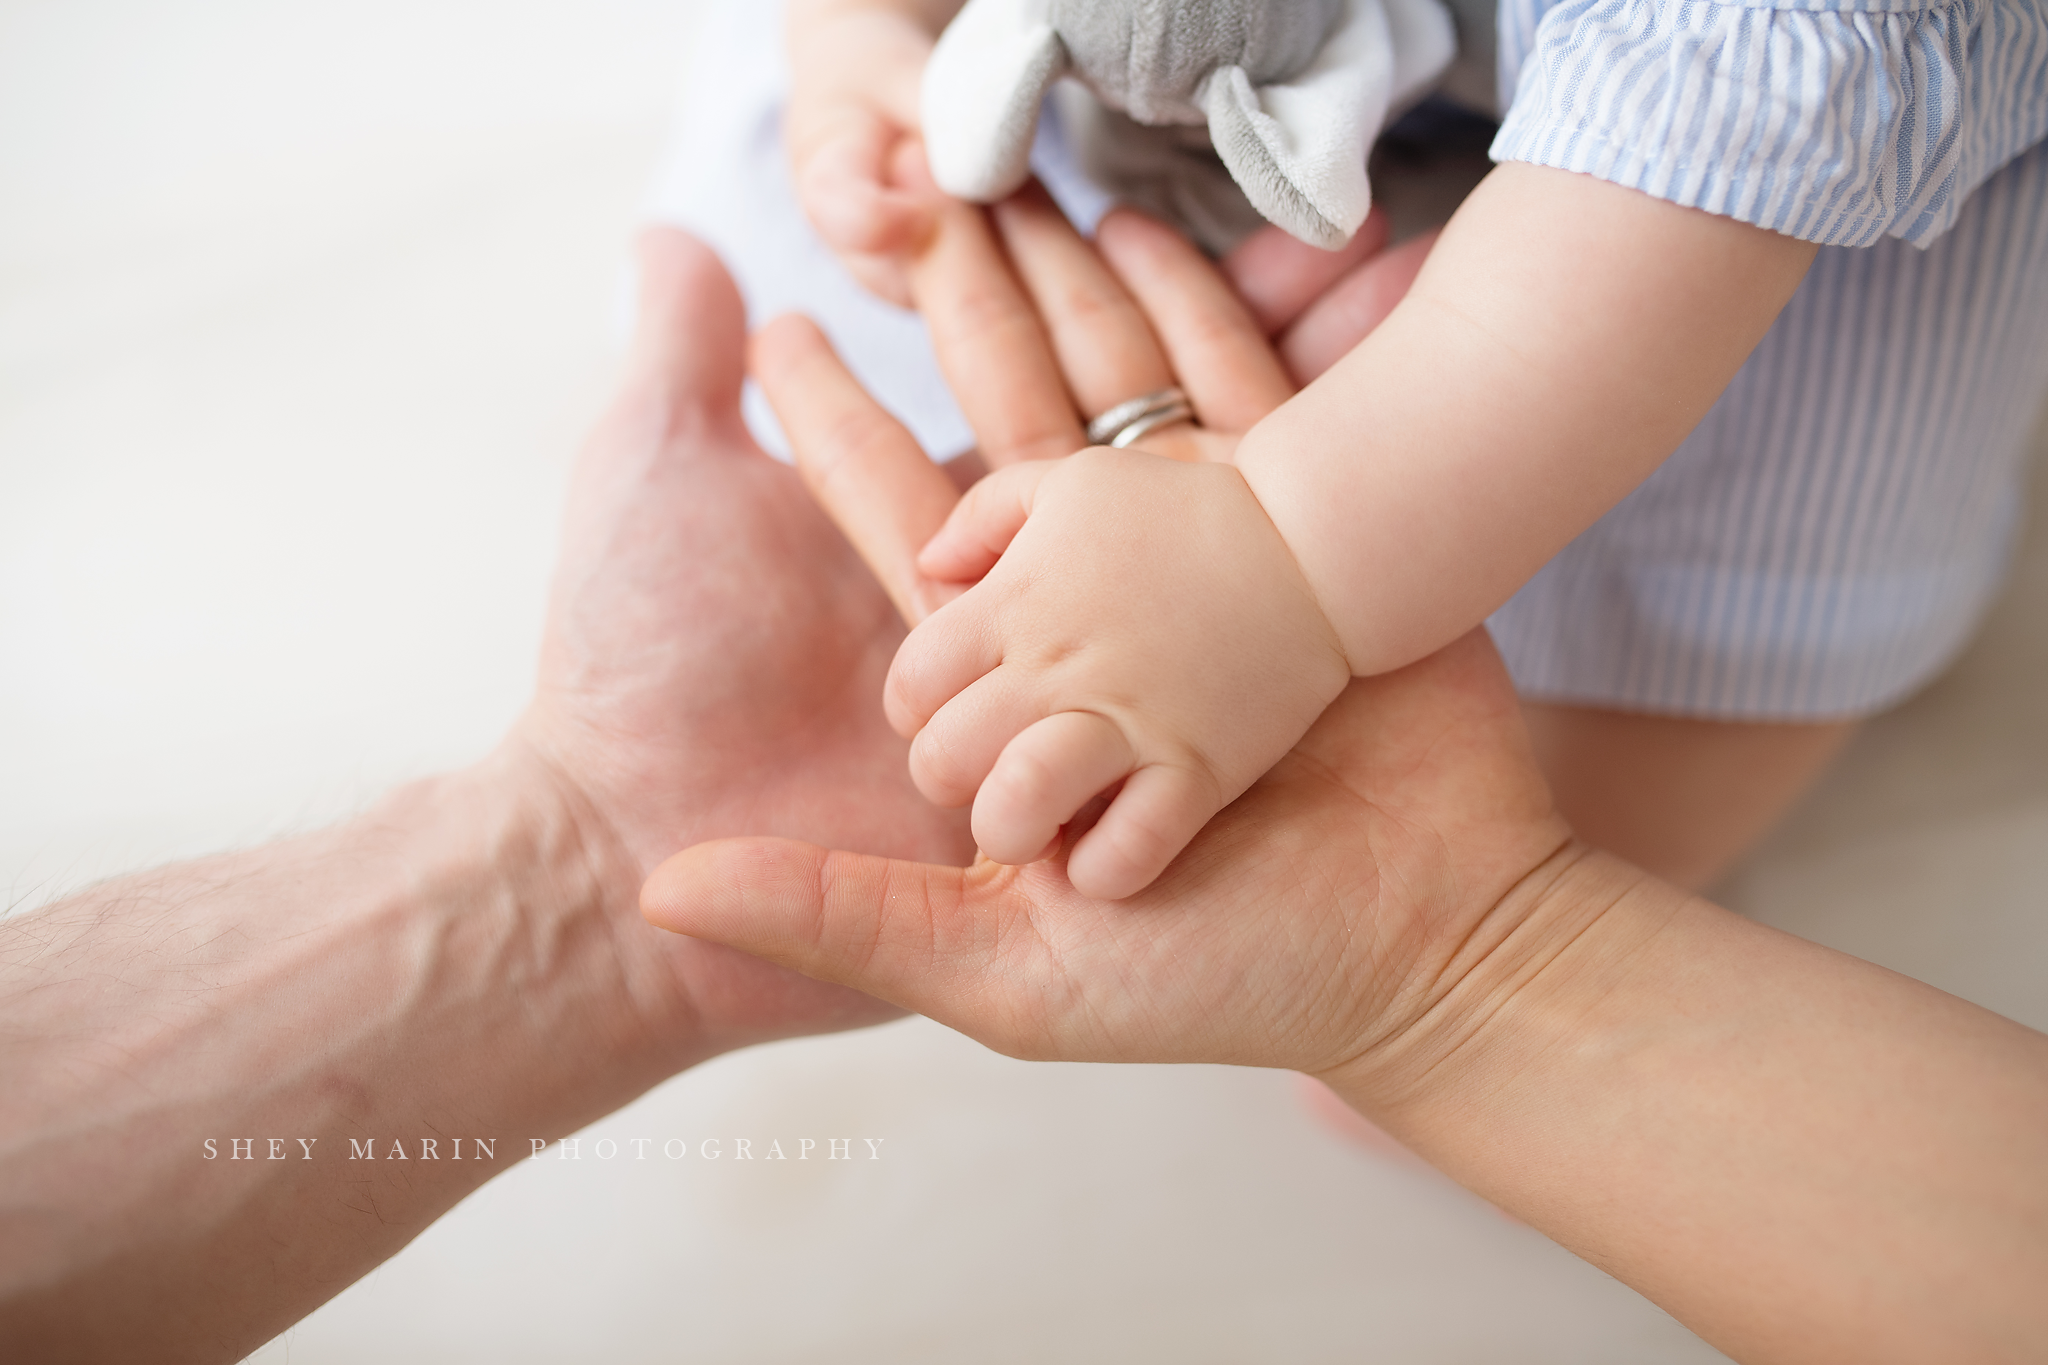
[442, 968]
[1802, 1156]
[1564, 337]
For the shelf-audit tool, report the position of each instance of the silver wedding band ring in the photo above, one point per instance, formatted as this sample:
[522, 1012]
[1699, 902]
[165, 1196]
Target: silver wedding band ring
[1134, 419]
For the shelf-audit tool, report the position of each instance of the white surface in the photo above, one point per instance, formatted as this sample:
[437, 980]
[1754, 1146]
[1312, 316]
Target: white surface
[301, 308]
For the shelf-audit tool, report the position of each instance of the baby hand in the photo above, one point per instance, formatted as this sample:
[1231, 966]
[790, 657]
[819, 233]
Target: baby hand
[852, 132]
[1141, 621]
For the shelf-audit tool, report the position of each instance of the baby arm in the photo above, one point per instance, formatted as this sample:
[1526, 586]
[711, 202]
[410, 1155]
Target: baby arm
[1564, 337]
[1179, 627]
[855, 71]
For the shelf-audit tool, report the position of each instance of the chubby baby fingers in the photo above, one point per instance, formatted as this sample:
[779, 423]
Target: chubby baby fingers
[1045, 775]
[1152, 819]
[948, 652]
[843, 181]
[983, 523]
[952, 755]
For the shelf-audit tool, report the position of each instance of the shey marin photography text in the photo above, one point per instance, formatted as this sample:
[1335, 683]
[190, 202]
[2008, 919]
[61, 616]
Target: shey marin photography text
[565, 1149]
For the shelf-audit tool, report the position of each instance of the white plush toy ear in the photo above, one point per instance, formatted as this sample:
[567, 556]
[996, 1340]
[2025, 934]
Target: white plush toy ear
[982, 88]
[1297, 148]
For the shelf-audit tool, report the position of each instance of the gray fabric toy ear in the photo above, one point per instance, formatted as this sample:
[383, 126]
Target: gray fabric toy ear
[1171, 172]
[1298, 147]
[982, 88]
[1293, 94]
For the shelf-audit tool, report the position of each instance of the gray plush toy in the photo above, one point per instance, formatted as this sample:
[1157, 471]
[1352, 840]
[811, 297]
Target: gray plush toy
[1289, 94]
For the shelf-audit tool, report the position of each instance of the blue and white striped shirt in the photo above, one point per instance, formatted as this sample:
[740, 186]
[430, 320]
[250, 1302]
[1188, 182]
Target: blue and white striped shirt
[1827, 538]
[1836, 121]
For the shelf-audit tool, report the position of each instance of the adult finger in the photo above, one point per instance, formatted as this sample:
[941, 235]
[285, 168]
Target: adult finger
[864, 468]
[912, 933]
[1342, 318]
[687, 324]
[991, 347]
[1099, 335]
[1428, 766]
[1278, 277]
[1212, 343]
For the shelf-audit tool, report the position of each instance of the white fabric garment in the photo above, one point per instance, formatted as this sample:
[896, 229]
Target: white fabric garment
[1827, 538]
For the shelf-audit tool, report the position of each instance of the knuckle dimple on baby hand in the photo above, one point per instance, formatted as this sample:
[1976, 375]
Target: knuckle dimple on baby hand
[910, 686]
[937, 769]
[1022, 788]
[1139, 847]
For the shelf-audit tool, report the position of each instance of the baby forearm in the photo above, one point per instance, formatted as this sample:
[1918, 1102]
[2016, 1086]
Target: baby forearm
[1563, 339]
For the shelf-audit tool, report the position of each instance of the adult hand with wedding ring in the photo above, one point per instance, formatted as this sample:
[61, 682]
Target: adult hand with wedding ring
[1134, 618]
[1396, 907]
[1129, 422]
[1039, 332]
[1409, 814]
[1042, 334]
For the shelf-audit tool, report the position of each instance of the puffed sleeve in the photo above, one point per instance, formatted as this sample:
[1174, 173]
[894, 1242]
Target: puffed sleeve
[1835, 121]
